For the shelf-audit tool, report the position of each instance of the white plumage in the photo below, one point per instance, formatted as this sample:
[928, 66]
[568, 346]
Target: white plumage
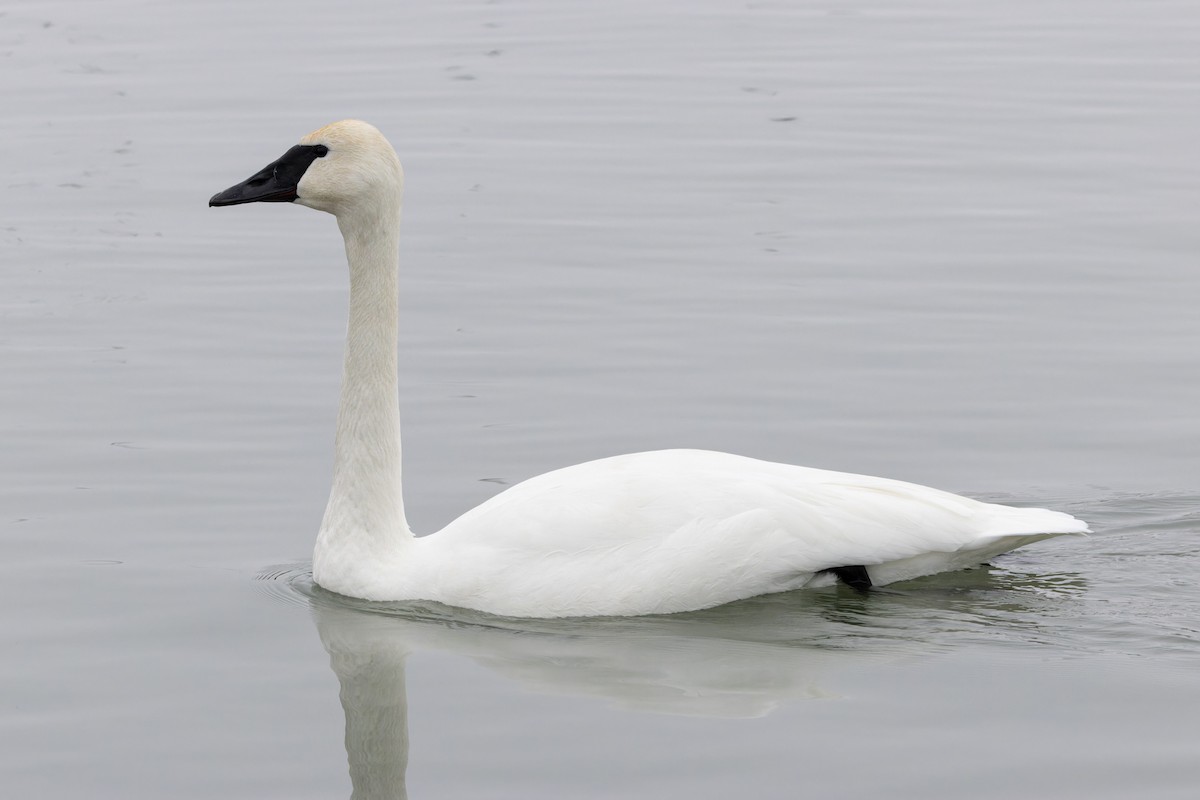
[645, 533]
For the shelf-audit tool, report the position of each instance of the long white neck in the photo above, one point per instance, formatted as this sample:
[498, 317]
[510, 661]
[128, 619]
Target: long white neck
[364, 520]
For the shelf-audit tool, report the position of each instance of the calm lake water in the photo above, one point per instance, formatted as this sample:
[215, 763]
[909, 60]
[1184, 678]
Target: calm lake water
[953, 243]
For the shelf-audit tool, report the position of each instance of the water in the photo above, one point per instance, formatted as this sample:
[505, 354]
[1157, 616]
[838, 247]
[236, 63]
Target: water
[941, 242]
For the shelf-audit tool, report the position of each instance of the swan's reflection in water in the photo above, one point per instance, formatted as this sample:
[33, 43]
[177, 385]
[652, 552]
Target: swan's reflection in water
[367, 654]
[740, 660]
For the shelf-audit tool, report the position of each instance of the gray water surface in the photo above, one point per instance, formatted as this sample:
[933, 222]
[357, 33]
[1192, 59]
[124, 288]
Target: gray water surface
[946, 242]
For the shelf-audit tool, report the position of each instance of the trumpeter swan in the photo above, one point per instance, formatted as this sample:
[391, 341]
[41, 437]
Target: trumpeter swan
[646, 533]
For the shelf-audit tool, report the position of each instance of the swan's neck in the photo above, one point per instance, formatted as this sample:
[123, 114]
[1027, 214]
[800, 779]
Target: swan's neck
[364, 521]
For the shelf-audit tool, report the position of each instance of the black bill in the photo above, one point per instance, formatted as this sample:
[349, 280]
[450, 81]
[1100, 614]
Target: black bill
[274, 183]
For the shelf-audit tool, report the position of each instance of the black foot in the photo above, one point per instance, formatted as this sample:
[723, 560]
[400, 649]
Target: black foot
[855, 577]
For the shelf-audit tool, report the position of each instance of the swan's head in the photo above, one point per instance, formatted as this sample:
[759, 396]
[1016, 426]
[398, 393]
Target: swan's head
[343, 167]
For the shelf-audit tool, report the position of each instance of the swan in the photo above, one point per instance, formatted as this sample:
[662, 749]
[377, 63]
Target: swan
[645, 533]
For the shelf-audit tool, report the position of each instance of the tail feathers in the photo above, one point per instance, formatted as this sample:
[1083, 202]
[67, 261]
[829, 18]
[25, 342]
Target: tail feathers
[1003, 529]
[1040, 523]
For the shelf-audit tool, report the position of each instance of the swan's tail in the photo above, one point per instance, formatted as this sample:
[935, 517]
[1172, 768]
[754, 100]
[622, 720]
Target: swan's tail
[1009, 528]
[1005, 529]
[1042, 523]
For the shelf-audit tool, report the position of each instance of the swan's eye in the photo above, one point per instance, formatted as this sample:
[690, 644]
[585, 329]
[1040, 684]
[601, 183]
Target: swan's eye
[321, 150]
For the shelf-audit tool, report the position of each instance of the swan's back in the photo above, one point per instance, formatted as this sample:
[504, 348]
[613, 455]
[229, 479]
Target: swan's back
[674, 530]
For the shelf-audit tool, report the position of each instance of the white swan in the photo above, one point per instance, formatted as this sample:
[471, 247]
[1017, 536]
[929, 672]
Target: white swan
[647, 533]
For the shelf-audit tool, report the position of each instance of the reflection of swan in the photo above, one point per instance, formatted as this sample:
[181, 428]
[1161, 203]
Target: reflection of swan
[368, 658]
[694, 664]
[740, 660]
[717, 663]
[645, 533]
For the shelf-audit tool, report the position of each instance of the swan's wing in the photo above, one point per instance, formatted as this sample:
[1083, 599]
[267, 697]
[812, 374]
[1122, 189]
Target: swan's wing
[676, 529]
